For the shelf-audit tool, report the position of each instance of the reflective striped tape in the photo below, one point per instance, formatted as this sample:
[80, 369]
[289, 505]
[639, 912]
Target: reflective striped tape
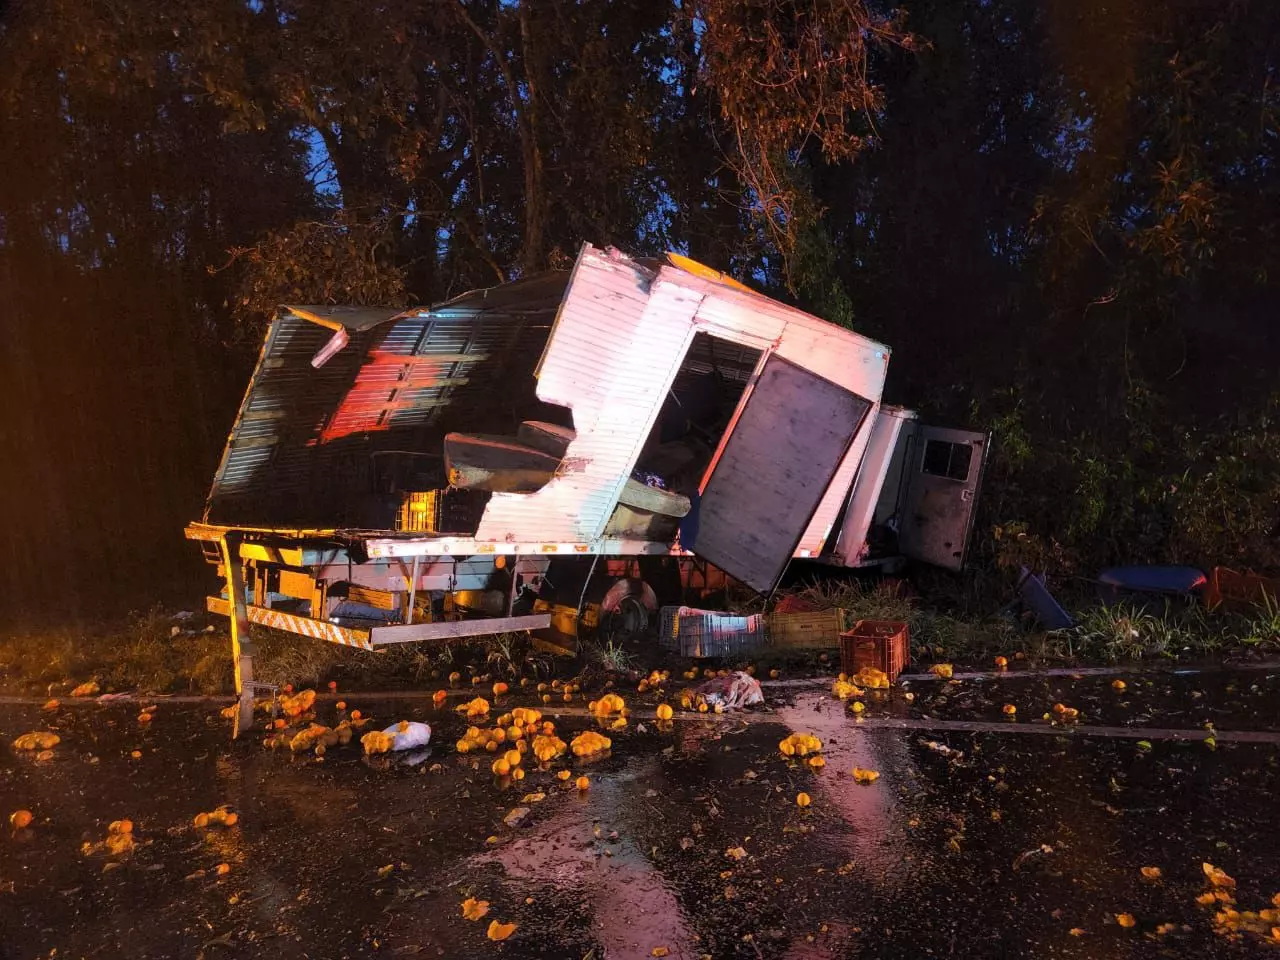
[293, 623]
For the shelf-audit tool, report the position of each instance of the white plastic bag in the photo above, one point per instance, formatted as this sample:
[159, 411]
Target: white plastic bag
[413, 736]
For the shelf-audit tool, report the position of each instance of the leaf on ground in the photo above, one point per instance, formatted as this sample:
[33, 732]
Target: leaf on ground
[384, 872]
[1151, 873]
[533, 797]
[473, 909]
[737, 853]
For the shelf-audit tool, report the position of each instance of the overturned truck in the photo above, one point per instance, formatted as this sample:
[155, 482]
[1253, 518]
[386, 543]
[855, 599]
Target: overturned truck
[563, 452]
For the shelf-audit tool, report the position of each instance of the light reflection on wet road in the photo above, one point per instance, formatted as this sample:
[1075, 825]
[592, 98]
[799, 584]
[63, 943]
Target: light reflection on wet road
[969, 844]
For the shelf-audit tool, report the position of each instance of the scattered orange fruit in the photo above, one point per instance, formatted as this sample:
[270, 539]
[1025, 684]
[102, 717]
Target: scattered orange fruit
[563, 775]
[583, 783]
[803, 800]
[1217, 877]
[501, 767]
[223, 869]
[865, 776]
[1118, 685]
[1009, 709]
[1002, 663]
[817, 762]
[500, 688]
[473, 909]
[1151, 873]
[665, 712]
[500, 931]
[342, 704]
[1125, 920]
[51, 705]
[21, 819]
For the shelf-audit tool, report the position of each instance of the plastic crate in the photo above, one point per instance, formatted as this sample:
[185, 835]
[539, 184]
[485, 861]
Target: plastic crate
[807, 630]
[707, 633]
[882, 644]
[441, 511]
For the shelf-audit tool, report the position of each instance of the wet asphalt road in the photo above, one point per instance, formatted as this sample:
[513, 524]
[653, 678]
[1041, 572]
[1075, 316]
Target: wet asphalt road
[985, 844]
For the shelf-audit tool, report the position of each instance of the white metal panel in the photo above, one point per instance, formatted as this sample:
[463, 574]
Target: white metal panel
[790, 440]
[882, 442]
[845, 358]
[613, 354]
[616, 347]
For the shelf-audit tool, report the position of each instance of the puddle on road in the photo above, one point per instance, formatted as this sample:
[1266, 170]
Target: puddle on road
[943, 855]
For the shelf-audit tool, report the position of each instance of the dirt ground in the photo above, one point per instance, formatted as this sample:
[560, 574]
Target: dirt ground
[983, 836]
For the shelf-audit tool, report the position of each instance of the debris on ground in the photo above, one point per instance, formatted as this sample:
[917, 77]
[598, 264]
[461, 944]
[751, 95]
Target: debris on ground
[479, 707]
[37, 740]
[800, 745]
[88, 689]
[119, 840]
[408, 735]
[500, 931]
[297, 704]
[473, 909]
[734, 692]
[222, 816]
[589, 743]
[20, 819]
[871, 678]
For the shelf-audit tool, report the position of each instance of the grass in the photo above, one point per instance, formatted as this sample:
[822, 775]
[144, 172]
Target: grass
[1125, 631]
[609, 656]
[143, 653]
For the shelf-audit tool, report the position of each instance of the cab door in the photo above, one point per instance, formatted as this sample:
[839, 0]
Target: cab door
[941, 495]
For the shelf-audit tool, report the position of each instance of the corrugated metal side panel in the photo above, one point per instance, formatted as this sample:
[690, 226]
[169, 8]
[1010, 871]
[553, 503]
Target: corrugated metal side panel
[301, 450]
[613, 356]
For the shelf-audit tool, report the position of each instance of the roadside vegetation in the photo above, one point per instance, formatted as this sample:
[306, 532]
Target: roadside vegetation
[154, 651]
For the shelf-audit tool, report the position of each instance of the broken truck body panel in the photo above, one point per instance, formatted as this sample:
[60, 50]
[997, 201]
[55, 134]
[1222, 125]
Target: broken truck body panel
[785, 448]
[330, 448]
[383, 461]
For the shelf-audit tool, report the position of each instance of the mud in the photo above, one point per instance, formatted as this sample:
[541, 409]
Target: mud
[969, 844]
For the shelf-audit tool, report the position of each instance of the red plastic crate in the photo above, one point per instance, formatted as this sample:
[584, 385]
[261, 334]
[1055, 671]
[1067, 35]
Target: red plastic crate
[882, 644]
